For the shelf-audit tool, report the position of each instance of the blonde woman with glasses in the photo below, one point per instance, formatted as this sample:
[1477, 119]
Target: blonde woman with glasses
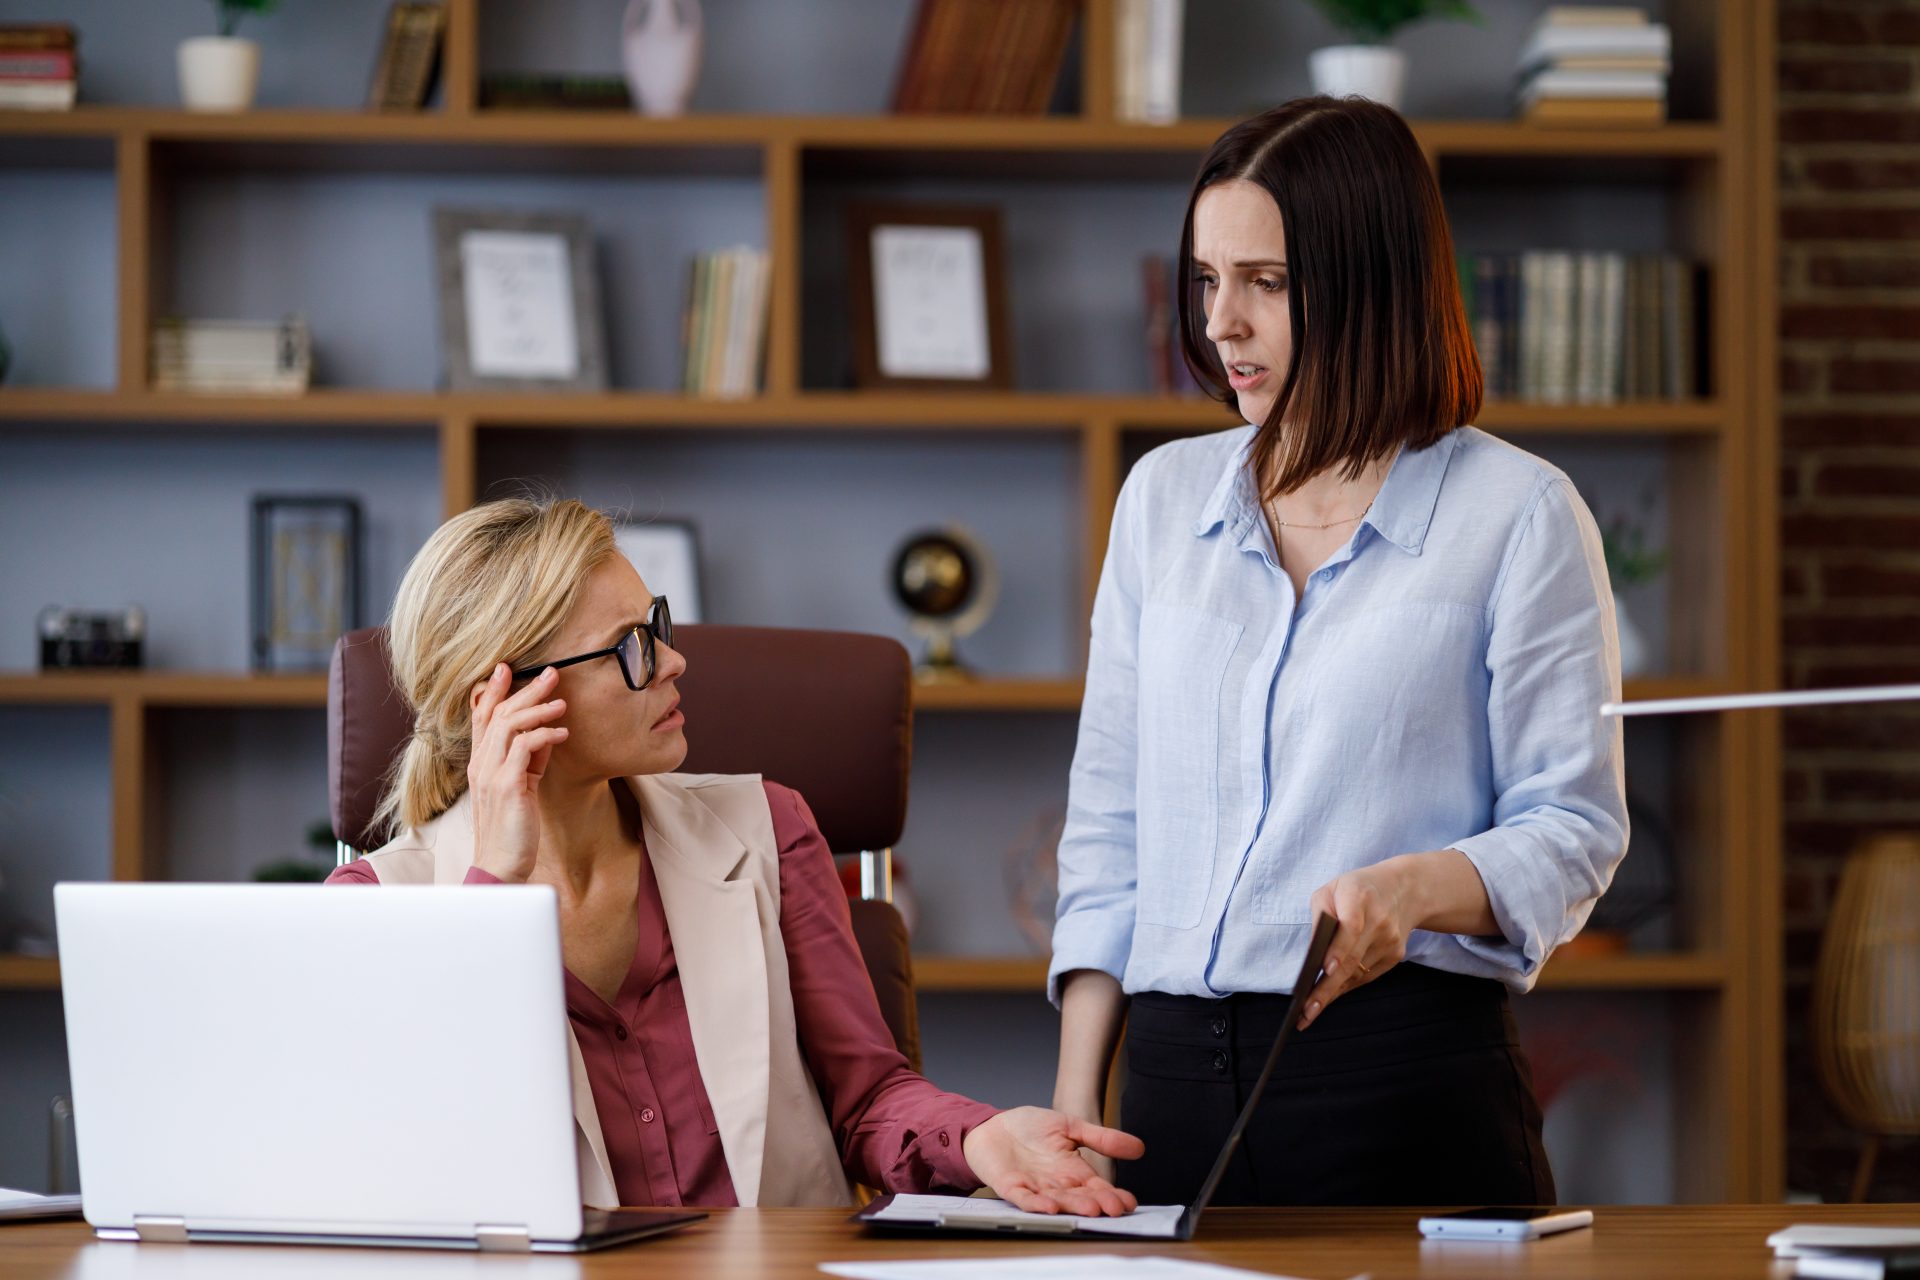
[727, 1046]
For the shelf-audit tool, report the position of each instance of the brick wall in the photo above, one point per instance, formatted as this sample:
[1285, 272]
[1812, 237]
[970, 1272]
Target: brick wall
[1849, 100]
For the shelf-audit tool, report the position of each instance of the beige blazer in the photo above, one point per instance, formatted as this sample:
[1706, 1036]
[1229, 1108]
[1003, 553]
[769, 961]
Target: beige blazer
[710, 838]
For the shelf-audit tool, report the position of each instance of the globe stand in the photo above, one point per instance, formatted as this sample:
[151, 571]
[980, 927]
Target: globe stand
[941, 665]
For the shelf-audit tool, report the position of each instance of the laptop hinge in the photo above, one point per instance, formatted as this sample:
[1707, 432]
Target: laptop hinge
[160, 1229]
[497, 1239]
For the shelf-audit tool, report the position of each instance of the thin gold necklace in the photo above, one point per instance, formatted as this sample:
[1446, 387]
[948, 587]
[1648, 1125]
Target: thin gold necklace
[1274, 509]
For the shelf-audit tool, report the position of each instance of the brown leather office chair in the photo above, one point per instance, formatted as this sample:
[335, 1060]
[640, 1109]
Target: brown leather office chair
[827, 713]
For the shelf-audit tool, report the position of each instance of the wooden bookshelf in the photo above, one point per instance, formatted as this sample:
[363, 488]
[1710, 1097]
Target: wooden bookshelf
[1719, 170]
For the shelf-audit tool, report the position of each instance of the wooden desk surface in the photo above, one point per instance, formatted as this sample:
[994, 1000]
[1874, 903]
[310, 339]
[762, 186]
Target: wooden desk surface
[1697, 1242]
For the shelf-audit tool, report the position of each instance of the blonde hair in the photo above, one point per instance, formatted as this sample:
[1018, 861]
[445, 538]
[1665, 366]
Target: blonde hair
[492, 585]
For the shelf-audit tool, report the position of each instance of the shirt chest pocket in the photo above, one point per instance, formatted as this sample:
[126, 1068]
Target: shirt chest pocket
[1184, 655]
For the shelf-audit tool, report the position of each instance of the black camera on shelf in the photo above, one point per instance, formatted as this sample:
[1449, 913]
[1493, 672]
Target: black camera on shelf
[71, 640]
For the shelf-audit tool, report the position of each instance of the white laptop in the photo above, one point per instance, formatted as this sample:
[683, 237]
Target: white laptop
[285, 1063]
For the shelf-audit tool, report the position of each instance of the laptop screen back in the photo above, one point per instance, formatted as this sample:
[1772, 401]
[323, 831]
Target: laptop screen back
[387, 1061]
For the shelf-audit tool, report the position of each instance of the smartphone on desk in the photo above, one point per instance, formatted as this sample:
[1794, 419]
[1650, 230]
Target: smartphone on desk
[1507, 1223]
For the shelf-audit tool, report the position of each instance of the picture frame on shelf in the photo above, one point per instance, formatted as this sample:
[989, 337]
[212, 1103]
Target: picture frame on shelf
[307, 578]
[928, 292]
[519, 301]
[667, 555]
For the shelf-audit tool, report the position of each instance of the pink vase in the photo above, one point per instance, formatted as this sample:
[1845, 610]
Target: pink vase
[660, 45]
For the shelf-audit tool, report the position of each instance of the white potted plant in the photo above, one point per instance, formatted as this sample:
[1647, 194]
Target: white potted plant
[1365, 67]
[221, 72]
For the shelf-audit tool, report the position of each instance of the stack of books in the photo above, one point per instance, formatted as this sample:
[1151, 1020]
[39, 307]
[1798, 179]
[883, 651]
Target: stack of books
[985, 57]
[245, 357]
[1146, 49]
[1588, 328]
[726, 322]
[546, 91]
[1836, 1252]
[1598, 65]
[39, 67]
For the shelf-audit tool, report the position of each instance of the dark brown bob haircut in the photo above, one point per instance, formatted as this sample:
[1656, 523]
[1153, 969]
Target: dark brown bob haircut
[1382, 356]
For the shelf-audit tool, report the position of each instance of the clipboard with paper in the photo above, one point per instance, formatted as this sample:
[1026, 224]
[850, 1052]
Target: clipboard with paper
[977, 1216]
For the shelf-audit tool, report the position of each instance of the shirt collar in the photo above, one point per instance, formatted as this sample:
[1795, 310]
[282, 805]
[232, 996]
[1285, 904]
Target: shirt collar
[1401, 512]
[1232, 501]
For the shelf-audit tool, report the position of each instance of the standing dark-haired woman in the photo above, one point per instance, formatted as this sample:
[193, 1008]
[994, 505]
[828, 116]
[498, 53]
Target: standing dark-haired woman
[1348, 658]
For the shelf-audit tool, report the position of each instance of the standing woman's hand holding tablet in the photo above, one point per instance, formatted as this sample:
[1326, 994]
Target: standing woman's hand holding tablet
[1346, 658]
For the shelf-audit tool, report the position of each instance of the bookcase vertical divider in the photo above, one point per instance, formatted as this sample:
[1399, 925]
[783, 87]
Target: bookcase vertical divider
[1099, 490]
[459, 479]
[140, 252]
[132, 788]
[781, 179]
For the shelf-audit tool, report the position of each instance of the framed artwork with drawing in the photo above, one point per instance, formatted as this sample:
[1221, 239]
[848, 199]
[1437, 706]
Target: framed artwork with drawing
[928, 292]
[306, 579]
[519, 302]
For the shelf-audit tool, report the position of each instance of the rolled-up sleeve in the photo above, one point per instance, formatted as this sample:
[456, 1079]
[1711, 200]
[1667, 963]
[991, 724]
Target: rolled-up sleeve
[1093, 924]
[1559, 786]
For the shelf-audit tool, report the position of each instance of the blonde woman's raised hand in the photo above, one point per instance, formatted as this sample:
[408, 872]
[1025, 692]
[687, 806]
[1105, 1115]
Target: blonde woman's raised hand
[514, 735]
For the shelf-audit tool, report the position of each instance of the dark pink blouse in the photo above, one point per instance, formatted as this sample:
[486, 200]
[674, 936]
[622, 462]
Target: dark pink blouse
[896, 1131]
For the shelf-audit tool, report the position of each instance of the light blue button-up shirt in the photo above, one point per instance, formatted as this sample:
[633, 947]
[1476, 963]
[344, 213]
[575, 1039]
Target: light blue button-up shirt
[1437, 685]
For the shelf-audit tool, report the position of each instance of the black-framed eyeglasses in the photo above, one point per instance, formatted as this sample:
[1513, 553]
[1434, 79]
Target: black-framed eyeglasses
[635, 650]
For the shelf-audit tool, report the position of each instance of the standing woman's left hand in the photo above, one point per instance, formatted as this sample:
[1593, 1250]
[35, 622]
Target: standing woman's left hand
[1375, 911]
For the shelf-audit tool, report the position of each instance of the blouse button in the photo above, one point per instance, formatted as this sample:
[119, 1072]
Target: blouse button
[619, 1033]
[646, 1115]
[945, 1140]
[1220, 1061]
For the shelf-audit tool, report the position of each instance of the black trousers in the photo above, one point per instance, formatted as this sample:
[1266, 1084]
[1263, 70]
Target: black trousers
[1410, 1090]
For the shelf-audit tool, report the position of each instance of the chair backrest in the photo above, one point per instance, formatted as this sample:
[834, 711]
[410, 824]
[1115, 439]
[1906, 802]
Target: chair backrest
[827, 713]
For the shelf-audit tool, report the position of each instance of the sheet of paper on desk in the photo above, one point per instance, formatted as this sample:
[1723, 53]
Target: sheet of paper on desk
[23, 1206]
[1156, 1221]
[1056, 1267]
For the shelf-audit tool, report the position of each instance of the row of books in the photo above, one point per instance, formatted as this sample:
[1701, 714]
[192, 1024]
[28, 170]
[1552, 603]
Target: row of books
[39, 67]
[1146, 59]
[726, 322]
[1595, 65]
[1588, 328]
[984, 57]
[240, 356]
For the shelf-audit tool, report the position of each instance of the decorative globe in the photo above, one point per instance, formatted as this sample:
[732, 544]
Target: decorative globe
[934, 576]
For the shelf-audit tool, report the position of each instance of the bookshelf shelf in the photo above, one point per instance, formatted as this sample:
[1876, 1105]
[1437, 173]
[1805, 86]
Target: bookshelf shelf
[808, 409]
[29, 973]
[845, 145]
[236, 689]
[1650, 971]
[1027, 975]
